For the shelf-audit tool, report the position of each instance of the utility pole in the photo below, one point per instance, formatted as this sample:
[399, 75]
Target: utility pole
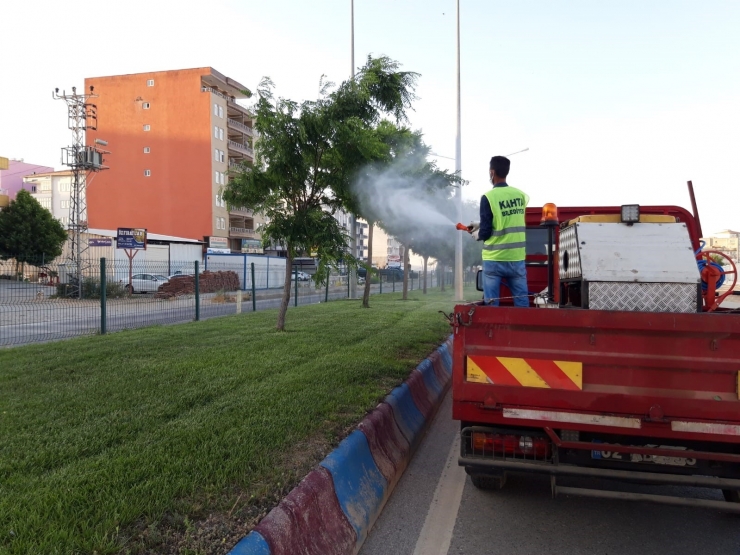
[352, 274]
[81, 116]
[458, 172]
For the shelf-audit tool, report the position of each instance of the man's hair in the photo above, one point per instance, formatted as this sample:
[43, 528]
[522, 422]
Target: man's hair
[500, 164]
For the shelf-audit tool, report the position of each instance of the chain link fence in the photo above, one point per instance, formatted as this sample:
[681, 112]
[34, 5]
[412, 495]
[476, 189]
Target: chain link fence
[43, 302]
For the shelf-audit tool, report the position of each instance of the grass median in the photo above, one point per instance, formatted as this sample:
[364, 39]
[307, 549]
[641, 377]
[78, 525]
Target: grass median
[177, 439]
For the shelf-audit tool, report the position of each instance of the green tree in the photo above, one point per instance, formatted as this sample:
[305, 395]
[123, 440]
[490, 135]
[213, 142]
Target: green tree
[307, 155]
[28, 232]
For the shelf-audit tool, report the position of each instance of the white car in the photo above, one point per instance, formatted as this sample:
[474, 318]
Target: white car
[146, 283]
[302, 276]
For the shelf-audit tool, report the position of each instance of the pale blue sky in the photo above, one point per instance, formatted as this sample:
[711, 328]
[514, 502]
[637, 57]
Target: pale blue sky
[618, 102]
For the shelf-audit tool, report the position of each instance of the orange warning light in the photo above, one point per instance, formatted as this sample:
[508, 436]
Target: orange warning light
[549, 214]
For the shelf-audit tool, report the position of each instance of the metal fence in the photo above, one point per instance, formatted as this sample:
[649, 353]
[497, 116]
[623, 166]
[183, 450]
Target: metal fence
[44, 303]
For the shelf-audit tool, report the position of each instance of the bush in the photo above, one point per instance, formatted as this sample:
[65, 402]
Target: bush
[91, 289]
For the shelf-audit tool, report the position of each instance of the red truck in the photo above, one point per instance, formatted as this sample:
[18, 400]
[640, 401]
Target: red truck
[625, 368]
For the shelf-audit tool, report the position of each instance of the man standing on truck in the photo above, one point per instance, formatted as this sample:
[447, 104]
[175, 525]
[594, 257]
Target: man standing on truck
[503, 232]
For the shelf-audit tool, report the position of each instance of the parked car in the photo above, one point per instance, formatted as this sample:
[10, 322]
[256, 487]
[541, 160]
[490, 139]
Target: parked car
[302, 276]
[146, 283]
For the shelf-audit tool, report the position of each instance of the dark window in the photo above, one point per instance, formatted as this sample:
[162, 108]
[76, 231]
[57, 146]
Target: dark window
[537, 240]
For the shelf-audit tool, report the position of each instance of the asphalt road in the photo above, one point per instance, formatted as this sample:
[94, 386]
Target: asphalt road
[435, 510]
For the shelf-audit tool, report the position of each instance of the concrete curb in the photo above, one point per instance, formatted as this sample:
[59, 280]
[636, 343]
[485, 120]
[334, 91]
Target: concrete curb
[334, 507]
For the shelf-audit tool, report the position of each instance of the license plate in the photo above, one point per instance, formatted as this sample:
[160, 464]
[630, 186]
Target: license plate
[646, 459]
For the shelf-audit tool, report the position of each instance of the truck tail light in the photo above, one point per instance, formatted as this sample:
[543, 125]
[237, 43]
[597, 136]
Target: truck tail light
[509, 444]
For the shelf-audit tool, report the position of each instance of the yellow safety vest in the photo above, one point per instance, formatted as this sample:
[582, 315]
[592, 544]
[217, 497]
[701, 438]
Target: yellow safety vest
[508, 241]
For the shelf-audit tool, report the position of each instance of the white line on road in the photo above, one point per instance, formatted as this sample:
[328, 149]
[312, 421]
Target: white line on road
[436, 534]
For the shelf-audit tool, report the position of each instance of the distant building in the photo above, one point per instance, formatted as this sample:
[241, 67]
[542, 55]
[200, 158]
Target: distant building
[727, 241]
[53, 191]
[362, 228]
[11, 180]
[173, 137]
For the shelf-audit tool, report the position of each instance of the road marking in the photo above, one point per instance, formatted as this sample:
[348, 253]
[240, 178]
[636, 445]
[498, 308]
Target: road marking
[436, 534]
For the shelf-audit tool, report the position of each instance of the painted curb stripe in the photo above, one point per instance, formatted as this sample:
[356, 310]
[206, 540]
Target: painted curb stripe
[430, 379]
[309, 521]
[359, 485]
[253, 544]
[422, 399]
[409, 418]
[389, 447]
[439, 368]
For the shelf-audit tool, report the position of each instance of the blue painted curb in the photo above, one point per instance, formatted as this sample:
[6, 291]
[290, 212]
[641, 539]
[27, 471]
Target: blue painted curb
[253, 544]
[430, 380]
[408, 417]
[359, 485]
[447, 357]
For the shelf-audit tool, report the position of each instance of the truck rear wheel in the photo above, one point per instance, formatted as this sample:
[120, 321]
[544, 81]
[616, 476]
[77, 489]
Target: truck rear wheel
[488, 481]
[731, 495]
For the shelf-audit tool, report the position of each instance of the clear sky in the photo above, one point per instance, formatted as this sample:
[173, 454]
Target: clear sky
[618, 102]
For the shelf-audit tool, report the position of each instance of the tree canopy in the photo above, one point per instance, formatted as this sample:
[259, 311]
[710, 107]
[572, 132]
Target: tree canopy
[28, 231]
[308, 154]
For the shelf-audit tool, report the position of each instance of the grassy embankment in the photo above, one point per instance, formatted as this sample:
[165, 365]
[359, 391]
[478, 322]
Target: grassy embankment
[176, 439]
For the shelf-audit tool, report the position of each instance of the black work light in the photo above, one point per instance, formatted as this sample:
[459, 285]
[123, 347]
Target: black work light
[630, 213]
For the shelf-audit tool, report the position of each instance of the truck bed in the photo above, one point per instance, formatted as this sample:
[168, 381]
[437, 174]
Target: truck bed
[651, 374]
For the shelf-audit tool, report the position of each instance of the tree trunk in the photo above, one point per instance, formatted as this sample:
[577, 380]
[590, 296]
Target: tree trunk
[286, 292]
[424, 290]
[366, 293]
[405, 273]
[441, 276]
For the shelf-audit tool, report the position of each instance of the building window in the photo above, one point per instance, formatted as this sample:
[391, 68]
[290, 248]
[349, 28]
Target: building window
[65, 187]
[215, 154]
[147, 127]
[222, 156]
[215, 131]
[150, 83]
[145, 105]
[220, 202]
[64, 204]
[221, 112]
[215, 109]
[216, 174]
[220, 223]
[63, 220]
[46, 203]
[147, 150]
[220, 133]
[147, 173]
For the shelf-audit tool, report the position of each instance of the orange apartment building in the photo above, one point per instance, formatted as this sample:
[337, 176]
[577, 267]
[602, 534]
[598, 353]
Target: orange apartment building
[173, 136]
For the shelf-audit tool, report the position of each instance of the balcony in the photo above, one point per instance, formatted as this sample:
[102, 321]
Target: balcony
[241, 232]
[241, 127]
[241, 211]
[241, 149]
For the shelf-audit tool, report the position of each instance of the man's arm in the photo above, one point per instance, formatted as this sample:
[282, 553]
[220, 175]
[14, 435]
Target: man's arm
[486, 219]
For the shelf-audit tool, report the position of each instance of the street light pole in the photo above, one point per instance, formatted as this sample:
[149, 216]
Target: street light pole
[351, 274]
[458, 192]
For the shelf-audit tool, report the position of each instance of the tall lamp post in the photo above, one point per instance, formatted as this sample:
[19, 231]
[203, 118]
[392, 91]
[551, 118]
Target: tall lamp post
[458, 192]
[352, 275]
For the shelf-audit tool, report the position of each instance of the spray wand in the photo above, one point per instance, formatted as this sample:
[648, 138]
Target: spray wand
[472, 228]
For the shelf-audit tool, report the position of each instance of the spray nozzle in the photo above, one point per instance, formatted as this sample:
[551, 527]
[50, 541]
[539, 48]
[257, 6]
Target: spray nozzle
[461, 227]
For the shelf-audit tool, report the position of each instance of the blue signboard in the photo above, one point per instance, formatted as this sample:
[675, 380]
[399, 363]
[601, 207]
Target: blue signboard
[100, 242]
[131, 238]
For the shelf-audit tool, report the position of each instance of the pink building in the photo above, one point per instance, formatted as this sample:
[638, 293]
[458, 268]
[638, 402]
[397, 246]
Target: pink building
[11, 180]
